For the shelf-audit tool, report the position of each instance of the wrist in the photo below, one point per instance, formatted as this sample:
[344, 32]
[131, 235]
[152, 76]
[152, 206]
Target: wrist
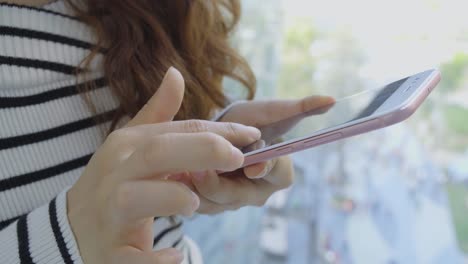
[84, 227]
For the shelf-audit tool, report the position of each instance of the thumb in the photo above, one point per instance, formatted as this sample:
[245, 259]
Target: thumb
[165, 103]
[271, 111]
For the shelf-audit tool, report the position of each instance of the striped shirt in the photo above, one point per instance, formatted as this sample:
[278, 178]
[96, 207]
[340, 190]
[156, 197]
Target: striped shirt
[48, 134]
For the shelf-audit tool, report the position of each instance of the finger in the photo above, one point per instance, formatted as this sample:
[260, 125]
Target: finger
[165, 103]
[132, 255]
[172, 153]
[124, 141]
[274, 110]
[259, 170]
[206, 206]
[282, 173]
[223, 190]
[239, 135]
[211, 208]
[137, 200]
[184, 178]
[211, 186]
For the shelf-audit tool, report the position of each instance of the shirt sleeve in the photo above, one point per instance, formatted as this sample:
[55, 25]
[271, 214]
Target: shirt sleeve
[43, 236]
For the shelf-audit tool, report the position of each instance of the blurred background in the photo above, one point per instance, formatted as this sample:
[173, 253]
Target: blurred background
[397, 195]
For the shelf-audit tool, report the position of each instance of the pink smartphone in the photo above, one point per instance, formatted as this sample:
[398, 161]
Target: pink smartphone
[353, 115]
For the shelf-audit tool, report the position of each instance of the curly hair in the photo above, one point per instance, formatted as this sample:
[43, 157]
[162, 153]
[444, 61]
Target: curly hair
[142, 39]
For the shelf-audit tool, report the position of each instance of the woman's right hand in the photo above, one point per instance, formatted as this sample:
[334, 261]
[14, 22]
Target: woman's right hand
[112, 206]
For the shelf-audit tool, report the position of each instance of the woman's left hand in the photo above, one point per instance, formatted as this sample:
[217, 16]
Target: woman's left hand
[254, 184]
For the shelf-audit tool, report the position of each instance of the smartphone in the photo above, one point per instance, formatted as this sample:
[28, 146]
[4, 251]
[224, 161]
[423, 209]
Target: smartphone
[353, 115]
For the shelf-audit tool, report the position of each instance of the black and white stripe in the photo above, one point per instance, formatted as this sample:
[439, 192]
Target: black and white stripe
[49, 237]
[28, 197]
[163, 233]
[49, 95]
[33, 177]
[58, 233]
[23, 241]
[55, 132]
[48, 133]
[44, 20]
[46, 36]
[36, 9]
[40, 64]
[7, 222]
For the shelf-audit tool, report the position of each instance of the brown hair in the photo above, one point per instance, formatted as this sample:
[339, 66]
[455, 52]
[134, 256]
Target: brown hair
[143, 38]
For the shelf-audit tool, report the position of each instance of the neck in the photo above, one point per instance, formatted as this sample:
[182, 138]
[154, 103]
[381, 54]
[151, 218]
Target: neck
[27, 2]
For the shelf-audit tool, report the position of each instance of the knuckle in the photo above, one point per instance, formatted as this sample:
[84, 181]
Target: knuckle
[119, 137]
[123, 197]
[217, 145]
[261, 201]
[288, 180]
[209, 191]
[214, 195]
[303, 106]
[114, 138]
[232, 129]
[152, 149]
[195, 126]
[119, 145]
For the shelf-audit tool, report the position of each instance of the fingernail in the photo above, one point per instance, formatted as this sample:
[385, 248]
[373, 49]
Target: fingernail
[261, 174]
[167, 74]
[327, 99]
[199, 175]
[264, 172]
[171, 69]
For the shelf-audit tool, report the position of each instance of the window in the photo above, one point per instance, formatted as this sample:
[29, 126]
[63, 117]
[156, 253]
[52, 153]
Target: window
[393, 190]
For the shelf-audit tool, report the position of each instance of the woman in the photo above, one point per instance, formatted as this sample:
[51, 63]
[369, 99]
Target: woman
[72, 71]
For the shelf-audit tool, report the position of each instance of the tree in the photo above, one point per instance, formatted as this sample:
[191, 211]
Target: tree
[454, 73]
[298, 64]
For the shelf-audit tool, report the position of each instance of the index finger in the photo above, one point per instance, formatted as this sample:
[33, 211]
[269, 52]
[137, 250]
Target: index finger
[177, 152]
[287, 108]
[239, 135]
[267, 112]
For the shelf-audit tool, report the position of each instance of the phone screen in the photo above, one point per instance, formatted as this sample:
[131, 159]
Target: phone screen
[343, 111]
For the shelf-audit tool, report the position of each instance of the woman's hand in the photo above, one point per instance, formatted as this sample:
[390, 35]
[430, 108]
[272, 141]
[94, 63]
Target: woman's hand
[271, 111]
[256, 183]
[112, 206]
